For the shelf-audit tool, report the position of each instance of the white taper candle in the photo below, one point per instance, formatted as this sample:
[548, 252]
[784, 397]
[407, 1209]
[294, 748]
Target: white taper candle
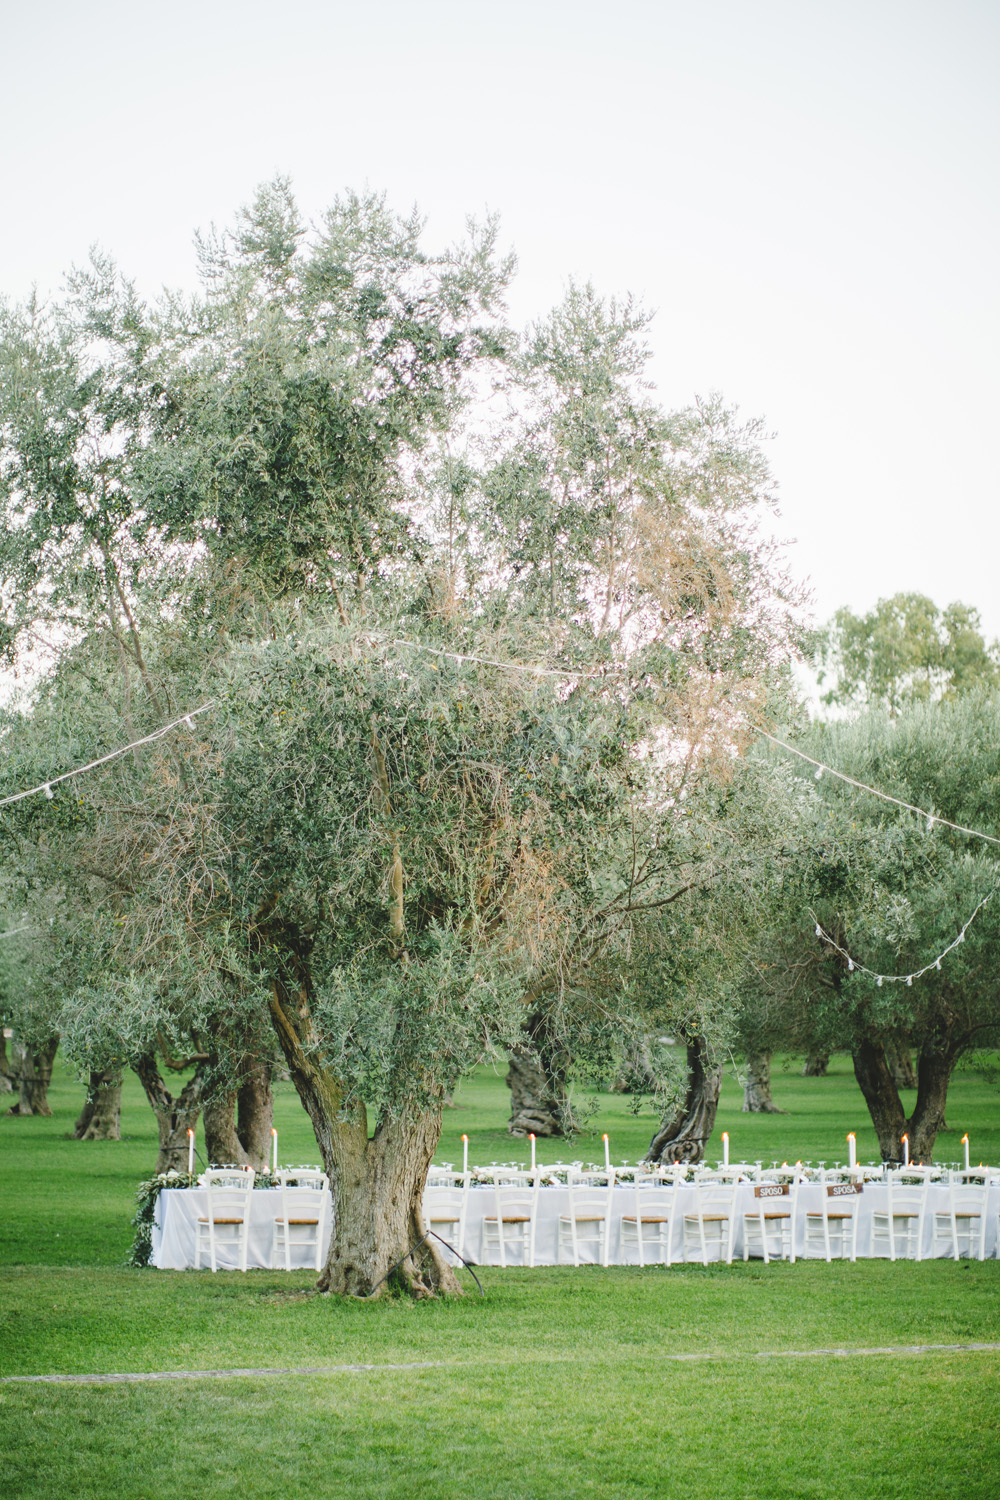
[852, 1153]
[274, 1150]
[191, 1151]
[725, 1148]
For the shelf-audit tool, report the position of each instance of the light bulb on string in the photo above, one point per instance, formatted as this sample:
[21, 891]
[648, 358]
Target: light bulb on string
[819, 930]
[850, 966]
[879, 981]
[818, 773]
[49, 793]
[909, 981]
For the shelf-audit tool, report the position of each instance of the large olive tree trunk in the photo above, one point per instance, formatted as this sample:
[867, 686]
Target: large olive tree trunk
[33, 1068]
[682, 1136]
[757, 1088]
[536, 1105]
[816, 1064]
[238, 1122]
[900, 1060]
[100, 1118]
[8, 1077]
[537, 1079]
[934, 1069]
[377, 1182]
[174, 1117]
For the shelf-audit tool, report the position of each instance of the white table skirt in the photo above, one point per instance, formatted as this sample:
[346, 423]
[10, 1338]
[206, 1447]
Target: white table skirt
[177, 1211]
[553, 1201]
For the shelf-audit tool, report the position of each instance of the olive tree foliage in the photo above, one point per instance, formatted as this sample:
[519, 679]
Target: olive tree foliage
[905, 650]
[889, 892]
[435, 784]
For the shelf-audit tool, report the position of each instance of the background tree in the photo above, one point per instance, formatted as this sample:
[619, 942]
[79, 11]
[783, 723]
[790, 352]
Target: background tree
[891, 891]
[903, 651]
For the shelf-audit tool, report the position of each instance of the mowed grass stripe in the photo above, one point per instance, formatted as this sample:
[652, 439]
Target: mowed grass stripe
[431, 1364]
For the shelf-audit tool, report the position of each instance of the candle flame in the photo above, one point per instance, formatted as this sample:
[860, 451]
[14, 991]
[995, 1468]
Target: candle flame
[465, 1138]
[605, 1137]
[531, 1135]
[905, 1138]
[850, 1135]
[190, 1134]
[965, 1140]
[273, 1131]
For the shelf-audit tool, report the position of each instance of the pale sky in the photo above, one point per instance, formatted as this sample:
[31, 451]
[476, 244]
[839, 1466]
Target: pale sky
[806, 193]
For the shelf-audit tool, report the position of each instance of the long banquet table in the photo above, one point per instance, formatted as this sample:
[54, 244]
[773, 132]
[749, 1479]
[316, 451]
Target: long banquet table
[177, 1211]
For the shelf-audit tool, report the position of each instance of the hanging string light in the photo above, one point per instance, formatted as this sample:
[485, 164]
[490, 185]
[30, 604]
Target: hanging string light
[45, 787]
[855, 967]
[932, 818]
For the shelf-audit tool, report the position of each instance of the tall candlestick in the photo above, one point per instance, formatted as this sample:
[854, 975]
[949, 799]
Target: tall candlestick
[465, 1155]
[531, 1138]
[191, 1152]
[274, 1149]
[906, 1150]
[725, 1148]
[965, 1143]
[607, 1155]
[852, 1154]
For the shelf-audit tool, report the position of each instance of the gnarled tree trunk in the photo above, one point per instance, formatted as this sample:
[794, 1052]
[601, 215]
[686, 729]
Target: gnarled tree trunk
[757, 1088]
[7, 1075]
[255, 1111]
[934, 1069]
[33, 1067]
[238, 1122]
[537, 1105]
[100, 1118]
[377, 1183]
[900, 1061]
[816, 1065]
[174, 1117]
[537, 1079]
[683, 1135]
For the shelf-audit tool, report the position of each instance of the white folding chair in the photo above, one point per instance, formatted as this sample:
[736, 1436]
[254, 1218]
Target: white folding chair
[302, 1221]
[511, 1226]
[769, 1227]
[445, 1212]
[962, 1225]
[834, 1230]
[710, 1226]
[649, 1224]
[899, 1227]
[588, 1221]
[226, 1224]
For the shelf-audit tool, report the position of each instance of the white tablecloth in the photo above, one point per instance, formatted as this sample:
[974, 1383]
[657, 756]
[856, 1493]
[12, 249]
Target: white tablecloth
[553, 1201]
[177, 1210]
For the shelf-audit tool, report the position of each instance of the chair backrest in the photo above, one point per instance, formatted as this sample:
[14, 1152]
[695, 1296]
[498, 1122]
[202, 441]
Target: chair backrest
[444, 1202]
[906, 1197]
[841, 1197]
[590, 1191]
[714, 1197]
[304, 1196]
[649, 1201]
[515, 1198]
[235, 1177]
[229, 1194]
[304, 1177]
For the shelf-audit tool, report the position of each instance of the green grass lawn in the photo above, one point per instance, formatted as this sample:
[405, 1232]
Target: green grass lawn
[561, 1383]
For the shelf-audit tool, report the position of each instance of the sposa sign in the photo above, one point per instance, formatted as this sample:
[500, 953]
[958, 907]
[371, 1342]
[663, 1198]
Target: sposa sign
[843, 1189]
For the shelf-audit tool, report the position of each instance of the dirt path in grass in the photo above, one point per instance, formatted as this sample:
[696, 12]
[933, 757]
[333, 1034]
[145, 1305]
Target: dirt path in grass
[432, 1364]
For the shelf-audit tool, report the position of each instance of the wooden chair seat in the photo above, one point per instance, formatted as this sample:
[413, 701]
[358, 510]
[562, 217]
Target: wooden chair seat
[221, 1221]
[507, 1219]
[646, 1219]
[756, 1217]
[708, 1218]
[296, 1221]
